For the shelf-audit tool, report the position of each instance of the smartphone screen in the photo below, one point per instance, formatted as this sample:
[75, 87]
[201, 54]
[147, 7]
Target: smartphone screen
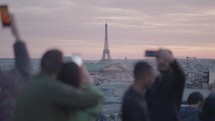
[77, 59]
[150, 53]
[5, 17]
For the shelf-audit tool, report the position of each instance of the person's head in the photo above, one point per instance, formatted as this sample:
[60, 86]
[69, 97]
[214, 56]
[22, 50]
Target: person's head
[70, 74]
[162, 60]
[144, 74]
[52, 61]
[208, 109]
[195, 99]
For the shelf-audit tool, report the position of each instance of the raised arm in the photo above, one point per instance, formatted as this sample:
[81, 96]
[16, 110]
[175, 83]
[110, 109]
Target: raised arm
[178, 74]
[167, 64]
[22, 61]
[68, 96]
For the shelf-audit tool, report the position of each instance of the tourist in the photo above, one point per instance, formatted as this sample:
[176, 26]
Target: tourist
[134, 105]
[71, 74]
[45, 96]
[208, 109]
[164, 98]
[14, 80]
[191, 112]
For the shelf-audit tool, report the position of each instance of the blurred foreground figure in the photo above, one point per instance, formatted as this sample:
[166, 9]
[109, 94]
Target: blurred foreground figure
[191, 112]
[12, 82]
[208, 109]
[164, 98]
[78, 77]
[44, 98]
[134, 105]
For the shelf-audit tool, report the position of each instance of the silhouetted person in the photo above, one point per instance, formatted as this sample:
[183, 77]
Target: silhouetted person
[191, 112]
[43, 98]
[134, 105]
[73, 75]
[164, 98]
[208, 109]
[12, 81]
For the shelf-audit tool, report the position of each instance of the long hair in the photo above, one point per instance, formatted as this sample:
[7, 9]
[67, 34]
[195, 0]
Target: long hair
[70, 74]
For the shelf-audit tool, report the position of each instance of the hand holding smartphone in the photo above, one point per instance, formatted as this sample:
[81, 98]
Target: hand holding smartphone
[8, 20]
[77, 59]
[5, 16]
[86, 77]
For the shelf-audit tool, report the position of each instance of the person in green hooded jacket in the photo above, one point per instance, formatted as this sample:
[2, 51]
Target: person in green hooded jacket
[71, 74]
[45, 97]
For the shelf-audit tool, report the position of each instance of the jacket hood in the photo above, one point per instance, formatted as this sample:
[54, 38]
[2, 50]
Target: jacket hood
[188, 112]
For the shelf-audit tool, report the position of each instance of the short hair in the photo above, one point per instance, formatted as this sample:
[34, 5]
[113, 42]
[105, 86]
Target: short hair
[194, 98]
[141, 68]
[52, 61]
[70, 74]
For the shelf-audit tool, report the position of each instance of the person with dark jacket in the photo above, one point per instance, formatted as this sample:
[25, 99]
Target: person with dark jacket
[208, 109]
[164, 98]
[191, 112]
[14, 80]
[134, 105]
[44, 97]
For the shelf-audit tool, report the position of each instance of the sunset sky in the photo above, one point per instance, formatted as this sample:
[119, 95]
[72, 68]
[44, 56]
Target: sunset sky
[187, 27]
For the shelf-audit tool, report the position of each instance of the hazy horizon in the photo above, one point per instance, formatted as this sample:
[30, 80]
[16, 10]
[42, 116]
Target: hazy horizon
[122, 59]
[77, 26]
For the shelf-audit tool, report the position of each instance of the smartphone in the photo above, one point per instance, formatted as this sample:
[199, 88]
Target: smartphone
[151, 53]
[77, 59]
[5, 16]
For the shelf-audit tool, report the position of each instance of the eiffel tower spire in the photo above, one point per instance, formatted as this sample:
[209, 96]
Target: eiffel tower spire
[106, 56]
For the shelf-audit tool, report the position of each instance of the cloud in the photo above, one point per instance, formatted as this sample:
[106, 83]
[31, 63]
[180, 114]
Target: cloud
[79, 25]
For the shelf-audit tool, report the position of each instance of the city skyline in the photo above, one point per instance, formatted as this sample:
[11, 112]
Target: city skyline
[185, 27]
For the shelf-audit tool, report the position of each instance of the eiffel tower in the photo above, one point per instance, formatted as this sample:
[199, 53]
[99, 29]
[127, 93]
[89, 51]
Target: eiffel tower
[106, 57]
